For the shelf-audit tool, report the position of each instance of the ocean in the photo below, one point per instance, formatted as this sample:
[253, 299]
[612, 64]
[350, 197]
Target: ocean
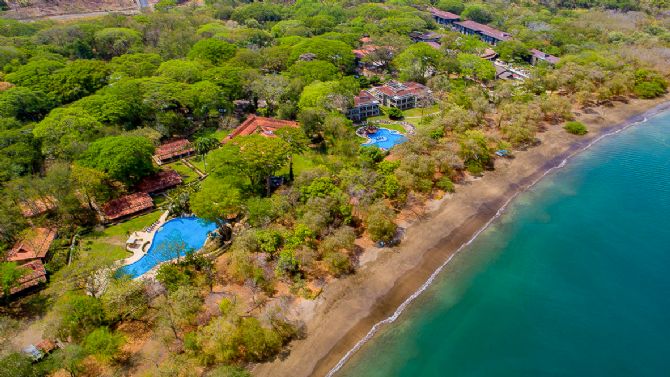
[572, 280]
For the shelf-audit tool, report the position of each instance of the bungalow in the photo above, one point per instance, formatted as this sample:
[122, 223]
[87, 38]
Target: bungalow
[259, 125]
[402, 95]
[33, 245]
[365, 106]
[127, 206]
[173, 150]
[37, 207]
[538, 56]
[484, 32]
[159, 182]
[35, 276]
[443, 17]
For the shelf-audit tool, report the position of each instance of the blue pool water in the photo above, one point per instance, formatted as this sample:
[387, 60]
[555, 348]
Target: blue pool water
[180, 234]
[385, 139]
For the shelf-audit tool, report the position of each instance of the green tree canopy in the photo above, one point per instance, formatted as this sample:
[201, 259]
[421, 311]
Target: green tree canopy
[66, 132]
[79, 78]
[216, 200]
[254, 157]
[336, 52]
[135, 65]
[124, 158]
[212, 50]
[116, 41]
[418, 62]
[181, 70]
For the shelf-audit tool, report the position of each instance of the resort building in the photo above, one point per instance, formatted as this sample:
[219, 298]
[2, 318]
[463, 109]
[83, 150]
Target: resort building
[538, 56]
[159, 182]
[127, 206]
[35, 276]
[172, 151]
[484, 32]
[365, 106]
[33, 245]
[403, 95]
[425, 37]
[37, 207]
[259, 125]
[443, 17]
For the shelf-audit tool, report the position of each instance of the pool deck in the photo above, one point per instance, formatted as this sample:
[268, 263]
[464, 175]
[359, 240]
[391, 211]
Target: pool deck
[139, 242]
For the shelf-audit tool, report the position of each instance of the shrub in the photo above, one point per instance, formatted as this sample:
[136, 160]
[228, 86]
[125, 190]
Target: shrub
[338, 263]
[576, 128]
[649, 84]
[446, 184]
[394, 113]
[103, 343]
[380, 222]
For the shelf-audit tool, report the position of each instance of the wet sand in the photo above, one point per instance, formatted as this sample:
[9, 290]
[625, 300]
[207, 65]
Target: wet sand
[350, 307]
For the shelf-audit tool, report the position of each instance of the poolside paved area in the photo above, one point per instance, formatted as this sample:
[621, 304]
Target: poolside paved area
[139, 242]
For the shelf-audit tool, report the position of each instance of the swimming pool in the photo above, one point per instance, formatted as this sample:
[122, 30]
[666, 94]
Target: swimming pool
[385, 139]
[176, 236]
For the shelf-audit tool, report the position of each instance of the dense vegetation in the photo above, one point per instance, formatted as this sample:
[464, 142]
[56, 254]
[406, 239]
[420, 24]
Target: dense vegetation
[83, 104]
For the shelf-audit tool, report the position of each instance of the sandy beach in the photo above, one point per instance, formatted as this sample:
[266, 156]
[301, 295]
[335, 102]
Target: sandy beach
[348, 308]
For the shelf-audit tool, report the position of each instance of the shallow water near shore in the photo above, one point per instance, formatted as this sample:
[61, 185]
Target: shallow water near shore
[572, 280]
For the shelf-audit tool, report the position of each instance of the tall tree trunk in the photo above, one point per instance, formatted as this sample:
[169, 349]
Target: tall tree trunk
[290, 168]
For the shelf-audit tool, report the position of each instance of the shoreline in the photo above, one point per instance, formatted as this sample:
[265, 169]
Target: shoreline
[351, 310]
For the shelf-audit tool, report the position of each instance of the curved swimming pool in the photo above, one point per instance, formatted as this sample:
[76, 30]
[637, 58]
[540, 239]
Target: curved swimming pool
[385, 139]
[175, 237]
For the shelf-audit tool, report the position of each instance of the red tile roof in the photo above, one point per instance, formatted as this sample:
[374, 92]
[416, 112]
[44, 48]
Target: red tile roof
[364, 98]
[127, 205]
[33, 245]
[36, 274]
[175, 148]
[365, 51]
[434, 45]
[160, 181]
[485, 29]
[37, 206]
[444, 14]
[264, 126]
[543, 56]
[393, 88]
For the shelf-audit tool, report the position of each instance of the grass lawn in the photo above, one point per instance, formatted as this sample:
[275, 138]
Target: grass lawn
[186, 172]
[393, 126]
[198, 163]
[416, 112]
[220, 134]
[112, 240]
[300, 163]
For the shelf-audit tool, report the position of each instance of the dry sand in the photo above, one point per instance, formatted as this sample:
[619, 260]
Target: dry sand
[348, 308]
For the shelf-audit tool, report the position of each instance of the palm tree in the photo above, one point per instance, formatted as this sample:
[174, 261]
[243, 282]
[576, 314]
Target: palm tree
[204, 144]
[297, 141]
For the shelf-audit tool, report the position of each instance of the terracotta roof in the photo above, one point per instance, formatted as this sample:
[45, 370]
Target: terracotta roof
[485, 29]
[37, 274]
[543, 56]
[444, 14]
[434, 45]
[160, 181]
[127, 205]
[261, 125]
[393, 89]
[364, 98]
[37, 206]
[33, 245]
[365, 40]
[175, 148]
[46, 346]
[365, 51]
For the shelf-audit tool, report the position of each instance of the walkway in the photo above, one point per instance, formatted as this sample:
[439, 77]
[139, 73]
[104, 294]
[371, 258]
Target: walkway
[139, 242]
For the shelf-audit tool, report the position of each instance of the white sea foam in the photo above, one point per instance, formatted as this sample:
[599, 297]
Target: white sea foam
[377, 326]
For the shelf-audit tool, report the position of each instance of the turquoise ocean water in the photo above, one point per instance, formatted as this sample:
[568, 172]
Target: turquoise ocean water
[573, 280]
